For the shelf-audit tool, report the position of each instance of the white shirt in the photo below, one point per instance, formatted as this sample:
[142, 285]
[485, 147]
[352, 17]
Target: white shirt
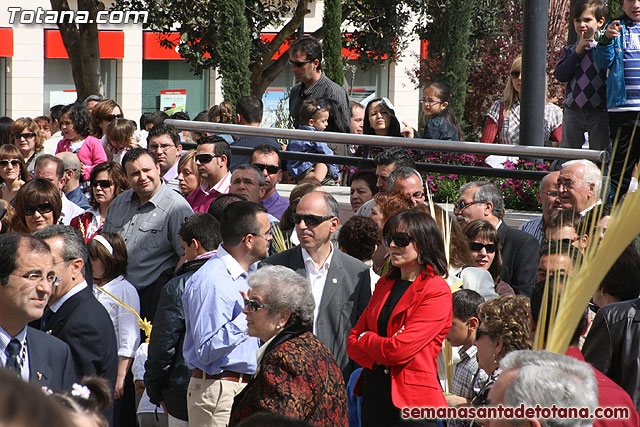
[125, 323]
[51, 144]
[77, 288]
[24, 352]
[137, 369]
[69, 210]
[316, 278]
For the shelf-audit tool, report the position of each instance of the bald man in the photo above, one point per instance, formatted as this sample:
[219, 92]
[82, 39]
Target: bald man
[549, 200]
[72, 172]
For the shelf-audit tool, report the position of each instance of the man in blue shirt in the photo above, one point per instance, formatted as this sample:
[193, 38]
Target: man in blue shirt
[216, 345]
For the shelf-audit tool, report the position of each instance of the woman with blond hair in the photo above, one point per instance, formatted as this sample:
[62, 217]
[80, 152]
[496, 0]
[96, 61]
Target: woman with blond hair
[188, 175]
[503, 119]
[27, 137]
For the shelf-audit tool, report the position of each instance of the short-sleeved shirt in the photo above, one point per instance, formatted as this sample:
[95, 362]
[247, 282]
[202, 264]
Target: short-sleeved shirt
[323, 88]
[509, 133]
[151, 232]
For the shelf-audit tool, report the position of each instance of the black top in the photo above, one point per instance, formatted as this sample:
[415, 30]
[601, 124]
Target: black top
[399, 288]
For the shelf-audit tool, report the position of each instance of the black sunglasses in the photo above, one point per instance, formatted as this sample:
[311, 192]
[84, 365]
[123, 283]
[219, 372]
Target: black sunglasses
[271, 169]
[515, 74]
[25, 135]
[252, 305]
[300, 63]
[103, 183]
[310, 220]
[205, 158]
[477, 247]
[6, 162]
[44, 208]
[112, 117]
[401, 240]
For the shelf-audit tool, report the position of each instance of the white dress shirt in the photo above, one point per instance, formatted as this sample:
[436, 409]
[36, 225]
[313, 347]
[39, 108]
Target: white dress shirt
[316, 278]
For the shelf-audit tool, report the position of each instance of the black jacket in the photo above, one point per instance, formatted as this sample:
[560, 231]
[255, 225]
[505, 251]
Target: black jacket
[613, 345]
[166, 374]
[520, 252]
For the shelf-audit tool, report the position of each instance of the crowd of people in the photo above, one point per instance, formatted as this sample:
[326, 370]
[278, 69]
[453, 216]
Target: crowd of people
[268, 310]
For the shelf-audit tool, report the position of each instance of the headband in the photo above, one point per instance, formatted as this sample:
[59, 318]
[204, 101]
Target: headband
[100, 239]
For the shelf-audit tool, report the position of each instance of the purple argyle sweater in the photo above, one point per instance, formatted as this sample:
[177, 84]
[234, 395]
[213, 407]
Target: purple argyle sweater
[585, 81]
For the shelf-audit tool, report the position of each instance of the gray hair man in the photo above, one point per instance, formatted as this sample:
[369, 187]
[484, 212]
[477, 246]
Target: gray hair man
[72, 304]
[483, 200]
[408, 181]
[248, 180]
[579, 185]
[544, 379]
[340, 283]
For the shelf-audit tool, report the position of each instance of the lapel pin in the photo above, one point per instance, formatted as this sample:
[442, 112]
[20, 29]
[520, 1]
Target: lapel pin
[39, 376]
[334, 280]
[49, 331]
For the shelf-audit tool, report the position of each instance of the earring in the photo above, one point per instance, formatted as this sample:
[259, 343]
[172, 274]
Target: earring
[421, 259]
[494, 358]
[278, 326]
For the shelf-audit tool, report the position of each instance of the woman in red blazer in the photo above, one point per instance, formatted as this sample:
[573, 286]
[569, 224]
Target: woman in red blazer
[400, 333]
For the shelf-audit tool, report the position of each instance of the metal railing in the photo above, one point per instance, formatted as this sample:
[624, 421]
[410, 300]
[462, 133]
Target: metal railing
[386, 141]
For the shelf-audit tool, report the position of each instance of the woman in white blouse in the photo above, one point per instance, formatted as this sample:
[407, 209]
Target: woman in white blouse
[108, 255]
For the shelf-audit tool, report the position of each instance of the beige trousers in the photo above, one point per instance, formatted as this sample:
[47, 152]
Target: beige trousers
[209, 401]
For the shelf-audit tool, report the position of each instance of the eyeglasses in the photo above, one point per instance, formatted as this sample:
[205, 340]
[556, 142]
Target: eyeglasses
[300, 63]
[551, 193]
[462, 205]
[25, 135]
[427, 101]
[103, 183]
[271, 169]
[310, 220]
[205, 158]
[401, 240]
[163, 147]
[6, 162]
[112, 117]
[44, 208]
[477, 247]
[252, 305]
[37, 277]
[515, 74]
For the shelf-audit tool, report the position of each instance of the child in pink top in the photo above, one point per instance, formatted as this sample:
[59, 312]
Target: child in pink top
[75, 125]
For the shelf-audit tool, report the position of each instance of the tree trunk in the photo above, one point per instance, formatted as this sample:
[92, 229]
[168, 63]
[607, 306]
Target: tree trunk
[265, 71]
[82, 48]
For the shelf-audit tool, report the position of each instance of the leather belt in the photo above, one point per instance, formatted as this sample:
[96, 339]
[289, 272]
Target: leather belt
[224, 375]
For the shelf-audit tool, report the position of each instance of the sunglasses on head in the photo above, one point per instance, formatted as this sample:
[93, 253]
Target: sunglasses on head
[300, 63]
[252, 305]
[515, 74]
[6, 162]
[477, 247]
[401, 240]
[25, 135]
[271, 169]
[44, 208]
[205, 158]
[310, 220]
[103, 183]
[112, 117]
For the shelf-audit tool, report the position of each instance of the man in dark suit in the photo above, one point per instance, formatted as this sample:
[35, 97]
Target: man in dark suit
[520, 250]
[341, 284]
[74, 315]
[26, 279]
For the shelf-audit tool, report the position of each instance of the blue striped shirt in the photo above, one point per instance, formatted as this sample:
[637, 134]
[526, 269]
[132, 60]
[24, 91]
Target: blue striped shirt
[631, 58]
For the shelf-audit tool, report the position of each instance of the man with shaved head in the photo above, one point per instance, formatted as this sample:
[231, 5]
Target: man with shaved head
[72, 172]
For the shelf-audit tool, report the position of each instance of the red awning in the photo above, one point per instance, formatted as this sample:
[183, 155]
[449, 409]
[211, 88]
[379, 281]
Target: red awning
[111, 44]
[152, 49]
[6, 42]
